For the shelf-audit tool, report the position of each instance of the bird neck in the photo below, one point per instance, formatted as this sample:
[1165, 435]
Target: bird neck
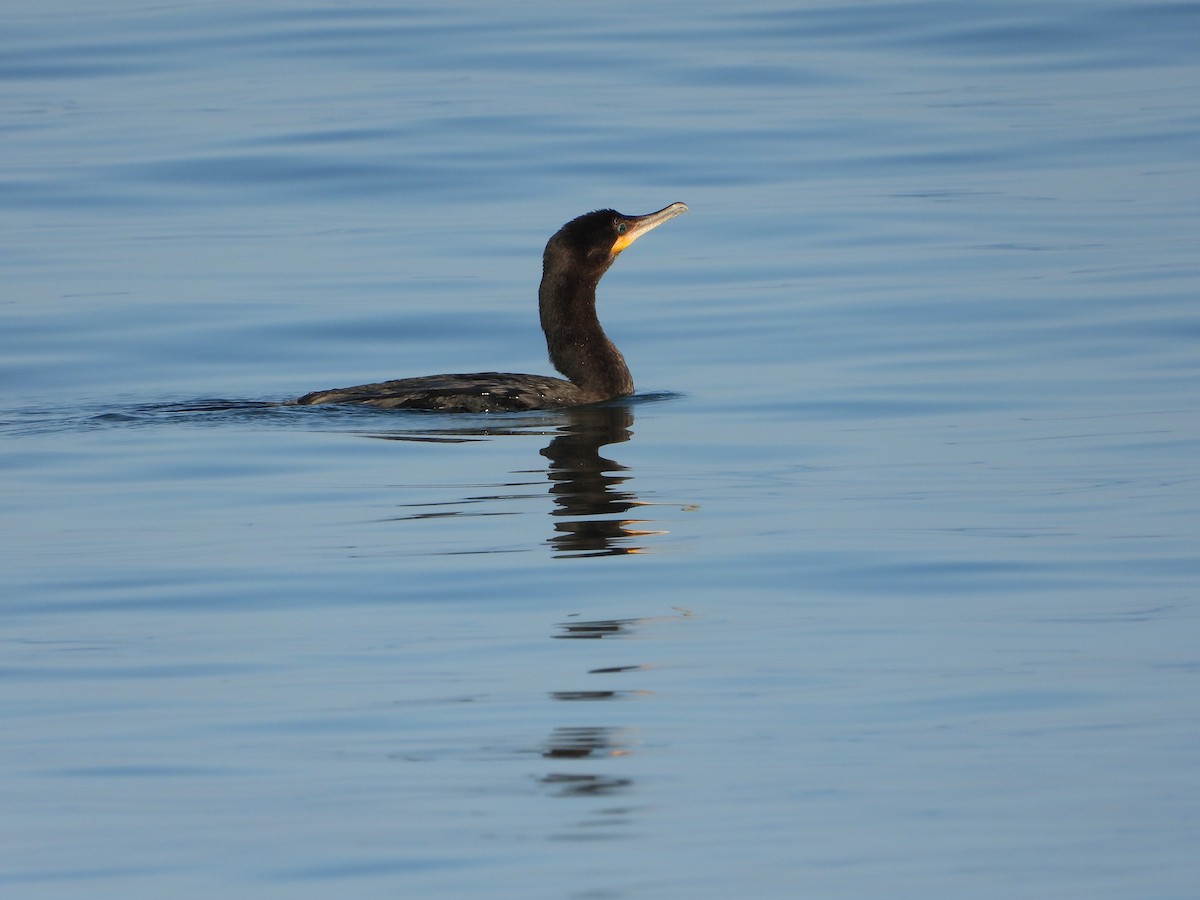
[578, 346]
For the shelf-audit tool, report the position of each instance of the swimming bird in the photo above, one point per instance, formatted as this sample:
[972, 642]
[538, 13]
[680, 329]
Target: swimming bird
[576, 258]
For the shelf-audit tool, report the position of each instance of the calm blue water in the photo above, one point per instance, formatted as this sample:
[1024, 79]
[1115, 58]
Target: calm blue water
[884, 585]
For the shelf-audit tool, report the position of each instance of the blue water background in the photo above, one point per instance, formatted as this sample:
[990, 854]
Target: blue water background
[885, 583]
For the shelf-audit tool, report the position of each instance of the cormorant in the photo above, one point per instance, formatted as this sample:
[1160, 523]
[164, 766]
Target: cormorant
[575, 260]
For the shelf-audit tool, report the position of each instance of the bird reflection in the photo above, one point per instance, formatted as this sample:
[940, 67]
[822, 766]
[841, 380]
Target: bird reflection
[595, 743]
[590, 493]
[588, 742]
[580, 743]
[585, 785]
[594, 631]
[585, 485]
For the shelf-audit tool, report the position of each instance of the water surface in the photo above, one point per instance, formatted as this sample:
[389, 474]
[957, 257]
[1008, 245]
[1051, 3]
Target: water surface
[884, 583]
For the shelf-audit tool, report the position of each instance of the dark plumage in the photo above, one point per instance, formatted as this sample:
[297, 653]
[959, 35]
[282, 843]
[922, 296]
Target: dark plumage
[575, 260]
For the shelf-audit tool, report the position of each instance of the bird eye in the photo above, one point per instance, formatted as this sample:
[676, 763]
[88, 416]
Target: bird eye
[620, 228]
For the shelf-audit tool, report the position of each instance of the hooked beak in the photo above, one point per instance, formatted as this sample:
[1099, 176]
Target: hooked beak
[639, 225]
